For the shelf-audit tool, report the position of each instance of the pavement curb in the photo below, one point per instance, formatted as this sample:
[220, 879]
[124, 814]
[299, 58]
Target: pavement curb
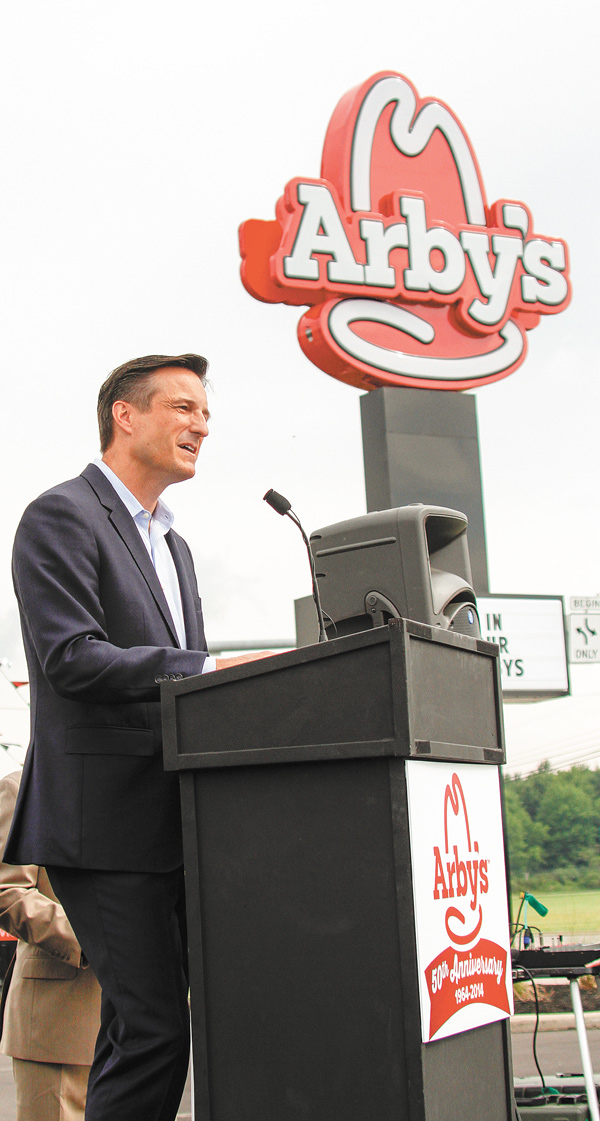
[551, 1021]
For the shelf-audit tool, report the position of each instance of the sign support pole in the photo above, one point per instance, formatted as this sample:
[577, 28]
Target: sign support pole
[422, 445]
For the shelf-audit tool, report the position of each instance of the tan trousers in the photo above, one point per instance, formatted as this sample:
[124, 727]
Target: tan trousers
[50, 1091]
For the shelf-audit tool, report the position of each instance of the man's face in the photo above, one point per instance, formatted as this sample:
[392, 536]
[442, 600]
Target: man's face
[166, 440]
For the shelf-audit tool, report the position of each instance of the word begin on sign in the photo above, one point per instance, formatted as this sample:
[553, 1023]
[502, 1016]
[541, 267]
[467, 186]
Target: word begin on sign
[585, 603]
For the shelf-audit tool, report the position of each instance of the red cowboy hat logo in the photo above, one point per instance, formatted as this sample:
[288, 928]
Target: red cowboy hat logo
[409, 276]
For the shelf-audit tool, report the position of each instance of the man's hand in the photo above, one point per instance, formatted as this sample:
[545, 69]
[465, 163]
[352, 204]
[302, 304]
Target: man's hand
[224, 663]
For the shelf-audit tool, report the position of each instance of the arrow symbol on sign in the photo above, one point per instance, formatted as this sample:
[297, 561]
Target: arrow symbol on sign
[589, 629]
[583, 635]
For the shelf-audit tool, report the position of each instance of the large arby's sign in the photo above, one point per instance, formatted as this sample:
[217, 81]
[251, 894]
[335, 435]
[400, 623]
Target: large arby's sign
[409, 276]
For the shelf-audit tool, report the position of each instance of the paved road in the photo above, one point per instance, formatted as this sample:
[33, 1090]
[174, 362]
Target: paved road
[558, 1052]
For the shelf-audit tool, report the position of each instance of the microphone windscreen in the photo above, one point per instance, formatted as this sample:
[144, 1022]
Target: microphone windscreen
[277, 501]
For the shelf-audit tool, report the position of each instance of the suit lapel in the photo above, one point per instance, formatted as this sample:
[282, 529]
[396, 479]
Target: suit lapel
[125, 526]
[186, 588]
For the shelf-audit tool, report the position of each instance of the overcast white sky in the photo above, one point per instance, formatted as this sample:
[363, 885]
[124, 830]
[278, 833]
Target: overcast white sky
[135, 138]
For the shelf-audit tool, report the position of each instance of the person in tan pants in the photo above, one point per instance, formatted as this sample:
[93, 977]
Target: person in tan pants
[52, 1010]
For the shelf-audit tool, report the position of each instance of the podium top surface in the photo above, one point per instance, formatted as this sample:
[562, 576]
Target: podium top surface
[405, 690]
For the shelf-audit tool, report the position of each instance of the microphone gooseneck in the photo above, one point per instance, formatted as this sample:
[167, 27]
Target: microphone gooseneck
[284, 507]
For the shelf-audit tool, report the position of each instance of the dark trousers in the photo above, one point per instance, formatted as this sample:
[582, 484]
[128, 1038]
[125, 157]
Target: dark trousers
[131, 927]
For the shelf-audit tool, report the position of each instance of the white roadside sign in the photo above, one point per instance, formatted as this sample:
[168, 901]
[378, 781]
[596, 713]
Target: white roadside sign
[584, 639]
[584, 603]
[530, 632]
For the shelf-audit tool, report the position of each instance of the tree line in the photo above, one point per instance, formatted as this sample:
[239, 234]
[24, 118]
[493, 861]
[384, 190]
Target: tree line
[553, 828]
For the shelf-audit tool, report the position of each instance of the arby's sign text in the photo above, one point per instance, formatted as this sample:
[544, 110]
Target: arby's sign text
[409, 276]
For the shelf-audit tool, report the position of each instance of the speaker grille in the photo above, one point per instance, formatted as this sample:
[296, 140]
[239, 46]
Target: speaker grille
[464, 620]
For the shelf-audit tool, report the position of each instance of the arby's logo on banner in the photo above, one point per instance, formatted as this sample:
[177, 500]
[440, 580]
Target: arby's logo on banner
[470, 969]
[410, 278]
[459, 889]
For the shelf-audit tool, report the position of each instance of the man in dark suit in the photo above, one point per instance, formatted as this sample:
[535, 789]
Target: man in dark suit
[109, 609]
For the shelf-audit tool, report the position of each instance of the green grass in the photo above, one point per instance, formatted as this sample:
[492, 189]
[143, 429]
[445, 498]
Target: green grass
[569, 913]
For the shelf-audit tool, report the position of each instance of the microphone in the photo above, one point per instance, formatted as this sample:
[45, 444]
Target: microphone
[277, 502]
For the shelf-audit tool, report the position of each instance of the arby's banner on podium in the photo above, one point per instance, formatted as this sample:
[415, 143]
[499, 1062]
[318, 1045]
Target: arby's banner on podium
[410, 277]
[459, 888]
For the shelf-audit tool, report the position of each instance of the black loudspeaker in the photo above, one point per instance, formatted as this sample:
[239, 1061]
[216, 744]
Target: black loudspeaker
[408, 563]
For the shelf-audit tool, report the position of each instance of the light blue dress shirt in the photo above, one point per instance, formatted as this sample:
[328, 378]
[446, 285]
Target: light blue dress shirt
[153, 529]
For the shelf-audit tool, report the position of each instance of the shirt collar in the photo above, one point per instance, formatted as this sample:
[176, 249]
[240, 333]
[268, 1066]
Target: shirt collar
[162, 514]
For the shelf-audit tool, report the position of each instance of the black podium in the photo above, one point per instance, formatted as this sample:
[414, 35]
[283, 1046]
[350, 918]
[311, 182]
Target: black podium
[304, 988]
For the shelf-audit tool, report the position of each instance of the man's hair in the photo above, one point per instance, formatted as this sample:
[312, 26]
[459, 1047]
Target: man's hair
[135, 382]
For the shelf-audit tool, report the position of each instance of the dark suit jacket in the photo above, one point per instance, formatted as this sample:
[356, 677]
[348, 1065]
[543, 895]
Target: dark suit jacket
[99, 638]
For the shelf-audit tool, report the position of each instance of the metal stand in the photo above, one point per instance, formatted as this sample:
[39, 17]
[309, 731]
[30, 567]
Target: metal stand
[588, 1072]
[569, 962]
